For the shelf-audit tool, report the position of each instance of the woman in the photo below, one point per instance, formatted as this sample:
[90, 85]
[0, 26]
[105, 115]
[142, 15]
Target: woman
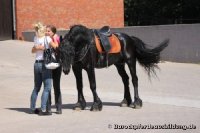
[41, 74]
[56, 73]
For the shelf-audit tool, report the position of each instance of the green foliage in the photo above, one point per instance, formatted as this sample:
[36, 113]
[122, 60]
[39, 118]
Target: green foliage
[157, 12]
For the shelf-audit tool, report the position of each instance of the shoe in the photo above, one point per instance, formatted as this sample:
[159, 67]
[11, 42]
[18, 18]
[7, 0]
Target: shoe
[49, 111]
[41, 113]
[59, 112]
[36, 111]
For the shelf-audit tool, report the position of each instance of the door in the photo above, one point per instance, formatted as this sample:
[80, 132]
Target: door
[6, 20]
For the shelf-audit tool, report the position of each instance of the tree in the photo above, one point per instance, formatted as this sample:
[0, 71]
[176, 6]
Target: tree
[156, 12]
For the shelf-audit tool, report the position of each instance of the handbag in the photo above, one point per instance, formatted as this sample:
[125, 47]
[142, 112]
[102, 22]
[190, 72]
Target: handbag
[50, 60]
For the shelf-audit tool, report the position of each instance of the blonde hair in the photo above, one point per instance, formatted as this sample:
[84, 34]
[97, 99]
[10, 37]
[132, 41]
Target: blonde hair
[40, 29]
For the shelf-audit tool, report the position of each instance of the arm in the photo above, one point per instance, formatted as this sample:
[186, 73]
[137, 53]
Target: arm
[36, 48]
[55, 41]
[53, 44]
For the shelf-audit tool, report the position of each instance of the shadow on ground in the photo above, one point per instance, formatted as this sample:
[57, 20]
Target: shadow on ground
[64, 106]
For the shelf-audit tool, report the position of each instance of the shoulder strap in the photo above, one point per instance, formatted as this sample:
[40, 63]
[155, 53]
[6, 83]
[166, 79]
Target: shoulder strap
[45, 42]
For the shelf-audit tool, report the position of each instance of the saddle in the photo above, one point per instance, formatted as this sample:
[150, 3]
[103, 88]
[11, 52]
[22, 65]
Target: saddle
[103, 35]
[106, 42]
[105, 31]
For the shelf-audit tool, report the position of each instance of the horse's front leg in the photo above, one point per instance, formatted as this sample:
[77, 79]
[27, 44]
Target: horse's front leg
[97, 104]
[81, 104]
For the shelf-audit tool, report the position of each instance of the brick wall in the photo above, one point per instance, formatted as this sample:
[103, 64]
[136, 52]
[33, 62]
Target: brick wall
[64, 13]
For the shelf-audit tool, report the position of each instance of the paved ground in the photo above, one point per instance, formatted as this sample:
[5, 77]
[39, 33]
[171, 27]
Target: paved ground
[171, 98]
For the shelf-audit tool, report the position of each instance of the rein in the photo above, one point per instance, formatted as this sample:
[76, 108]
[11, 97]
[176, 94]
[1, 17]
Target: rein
[83, 55]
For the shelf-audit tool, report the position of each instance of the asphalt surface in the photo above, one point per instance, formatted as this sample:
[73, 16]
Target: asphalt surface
[170, 100]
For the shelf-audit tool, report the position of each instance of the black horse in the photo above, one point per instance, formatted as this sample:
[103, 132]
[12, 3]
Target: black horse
[78, 50]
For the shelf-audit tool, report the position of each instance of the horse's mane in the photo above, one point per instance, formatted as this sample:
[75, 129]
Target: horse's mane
[79, 34]
[75, 43]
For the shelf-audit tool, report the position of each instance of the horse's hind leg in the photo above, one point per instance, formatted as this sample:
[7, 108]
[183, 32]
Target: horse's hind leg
[137, 101]
[127, 97]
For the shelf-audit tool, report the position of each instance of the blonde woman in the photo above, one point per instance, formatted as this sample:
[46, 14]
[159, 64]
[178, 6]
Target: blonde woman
[41, 74]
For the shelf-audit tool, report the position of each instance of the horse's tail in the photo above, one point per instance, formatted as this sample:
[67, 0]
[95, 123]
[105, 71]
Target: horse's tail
[147, 57]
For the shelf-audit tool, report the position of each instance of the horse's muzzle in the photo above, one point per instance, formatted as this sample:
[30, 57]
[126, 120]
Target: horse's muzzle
[66, 72]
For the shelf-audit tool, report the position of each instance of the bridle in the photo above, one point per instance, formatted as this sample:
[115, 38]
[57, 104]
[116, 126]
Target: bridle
[77, 53]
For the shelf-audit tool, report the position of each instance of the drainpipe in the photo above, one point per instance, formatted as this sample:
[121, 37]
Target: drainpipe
[14, 18]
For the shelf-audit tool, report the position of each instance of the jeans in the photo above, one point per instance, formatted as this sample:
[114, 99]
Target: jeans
[56, 75]
[41, 75]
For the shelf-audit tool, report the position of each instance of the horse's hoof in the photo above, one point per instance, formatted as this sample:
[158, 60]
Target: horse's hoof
[95, 110]
[79, 107]
[132, 105]
[96, 107]
[137, 104]
[124, 103]
[137, 107]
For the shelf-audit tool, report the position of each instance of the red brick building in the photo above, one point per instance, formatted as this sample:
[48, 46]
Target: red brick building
[64, 13]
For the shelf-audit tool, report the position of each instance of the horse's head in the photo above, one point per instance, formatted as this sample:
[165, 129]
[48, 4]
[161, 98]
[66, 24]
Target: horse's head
[67, 54]
[73, 46]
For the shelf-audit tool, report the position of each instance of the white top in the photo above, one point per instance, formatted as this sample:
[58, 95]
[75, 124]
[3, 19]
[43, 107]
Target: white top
[41, 41]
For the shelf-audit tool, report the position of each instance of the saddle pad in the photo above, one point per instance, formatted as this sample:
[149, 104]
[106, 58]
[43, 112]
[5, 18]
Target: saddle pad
[114, 41]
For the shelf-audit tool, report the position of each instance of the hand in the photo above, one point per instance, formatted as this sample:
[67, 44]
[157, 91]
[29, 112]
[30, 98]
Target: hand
[40, 47]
